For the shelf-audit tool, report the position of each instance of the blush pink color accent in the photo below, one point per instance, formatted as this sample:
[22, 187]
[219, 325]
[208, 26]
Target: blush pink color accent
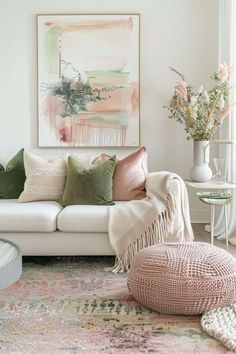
[129, 176]
[181, 89]
[183, 278]
[225, 72]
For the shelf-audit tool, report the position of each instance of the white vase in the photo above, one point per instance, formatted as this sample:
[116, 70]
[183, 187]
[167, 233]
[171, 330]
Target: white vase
[201, 172]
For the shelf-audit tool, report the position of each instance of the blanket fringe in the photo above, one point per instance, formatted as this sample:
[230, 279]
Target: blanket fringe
[155, 233]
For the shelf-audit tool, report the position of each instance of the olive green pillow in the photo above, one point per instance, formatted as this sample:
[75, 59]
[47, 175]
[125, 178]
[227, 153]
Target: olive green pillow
[12, 179]
[92, 186]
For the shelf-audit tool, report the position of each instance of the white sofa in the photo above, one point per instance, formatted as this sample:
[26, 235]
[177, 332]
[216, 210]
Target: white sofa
[46, 228]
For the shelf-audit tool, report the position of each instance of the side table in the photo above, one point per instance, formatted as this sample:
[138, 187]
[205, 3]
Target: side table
[223, 187]
[213, 202]
[10, 263]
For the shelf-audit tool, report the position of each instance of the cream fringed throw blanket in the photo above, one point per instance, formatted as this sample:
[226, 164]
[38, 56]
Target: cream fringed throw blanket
[141, 223]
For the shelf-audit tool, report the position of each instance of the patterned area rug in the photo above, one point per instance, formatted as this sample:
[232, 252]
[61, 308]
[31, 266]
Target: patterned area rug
[70, 306]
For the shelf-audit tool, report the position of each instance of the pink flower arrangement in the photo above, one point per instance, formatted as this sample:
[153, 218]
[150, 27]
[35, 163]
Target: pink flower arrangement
[224, 72]
[202, 111]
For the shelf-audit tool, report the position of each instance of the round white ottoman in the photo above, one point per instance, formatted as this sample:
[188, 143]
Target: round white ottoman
[183, 278]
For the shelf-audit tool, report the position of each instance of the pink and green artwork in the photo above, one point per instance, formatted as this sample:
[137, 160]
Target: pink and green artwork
[88, 80]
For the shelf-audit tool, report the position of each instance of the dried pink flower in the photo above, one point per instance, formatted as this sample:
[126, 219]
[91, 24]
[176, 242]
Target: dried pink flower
[181, 90]
[225, 111]
[224, 72]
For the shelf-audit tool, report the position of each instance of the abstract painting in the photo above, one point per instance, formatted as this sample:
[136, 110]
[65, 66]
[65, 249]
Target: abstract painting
[88, 80]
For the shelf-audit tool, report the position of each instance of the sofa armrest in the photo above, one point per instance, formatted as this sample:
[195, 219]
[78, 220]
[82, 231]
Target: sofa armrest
[154, 179]
[182, 229]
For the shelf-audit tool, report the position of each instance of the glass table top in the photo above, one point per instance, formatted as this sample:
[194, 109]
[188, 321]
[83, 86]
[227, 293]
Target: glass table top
[8, 253]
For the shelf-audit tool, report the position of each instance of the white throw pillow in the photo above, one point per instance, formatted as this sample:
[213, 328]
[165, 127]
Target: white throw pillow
[45, 180]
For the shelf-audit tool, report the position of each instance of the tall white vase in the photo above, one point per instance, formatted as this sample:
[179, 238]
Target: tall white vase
[201, 172]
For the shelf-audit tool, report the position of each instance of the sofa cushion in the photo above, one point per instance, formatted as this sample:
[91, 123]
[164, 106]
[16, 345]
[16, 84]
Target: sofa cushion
[84, 218]
[88, 186]
[28, 217]
[45, 180]
[129, 176]
[13, 177]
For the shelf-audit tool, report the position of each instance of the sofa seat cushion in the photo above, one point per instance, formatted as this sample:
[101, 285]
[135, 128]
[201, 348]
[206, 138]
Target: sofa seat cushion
[84, 218]
[28, 217]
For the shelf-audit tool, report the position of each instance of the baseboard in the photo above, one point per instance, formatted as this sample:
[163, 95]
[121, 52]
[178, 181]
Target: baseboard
[199, 216]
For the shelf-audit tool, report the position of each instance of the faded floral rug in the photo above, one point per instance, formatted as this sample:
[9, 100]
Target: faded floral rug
[69, 305]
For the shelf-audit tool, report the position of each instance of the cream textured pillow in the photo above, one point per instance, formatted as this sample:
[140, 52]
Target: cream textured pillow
[45, 180]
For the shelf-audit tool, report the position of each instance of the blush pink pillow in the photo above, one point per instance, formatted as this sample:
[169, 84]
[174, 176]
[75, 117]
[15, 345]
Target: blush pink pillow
[129, 176]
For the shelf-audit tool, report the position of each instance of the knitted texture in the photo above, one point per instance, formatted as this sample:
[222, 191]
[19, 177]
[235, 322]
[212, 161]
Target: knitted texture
[183, 278]
[221, 324]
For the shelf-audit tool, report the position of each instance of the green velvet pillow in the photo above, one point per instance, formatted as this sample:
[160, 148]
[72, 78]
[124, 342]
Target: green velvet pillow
[12, 179]
[93, 186]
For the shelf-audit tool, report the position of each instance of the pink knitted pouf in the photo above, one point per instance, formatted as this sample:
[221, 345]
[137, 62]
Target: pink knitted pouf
[183, 278]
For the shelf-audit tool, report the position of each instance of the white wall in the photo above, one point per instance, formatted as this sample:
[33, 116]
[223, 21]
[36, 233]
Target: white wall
[179, 33]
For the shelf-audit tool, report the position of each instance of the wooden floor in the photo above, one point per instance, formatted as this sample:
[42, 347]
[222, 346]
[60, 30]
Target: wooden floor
[202, 236]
